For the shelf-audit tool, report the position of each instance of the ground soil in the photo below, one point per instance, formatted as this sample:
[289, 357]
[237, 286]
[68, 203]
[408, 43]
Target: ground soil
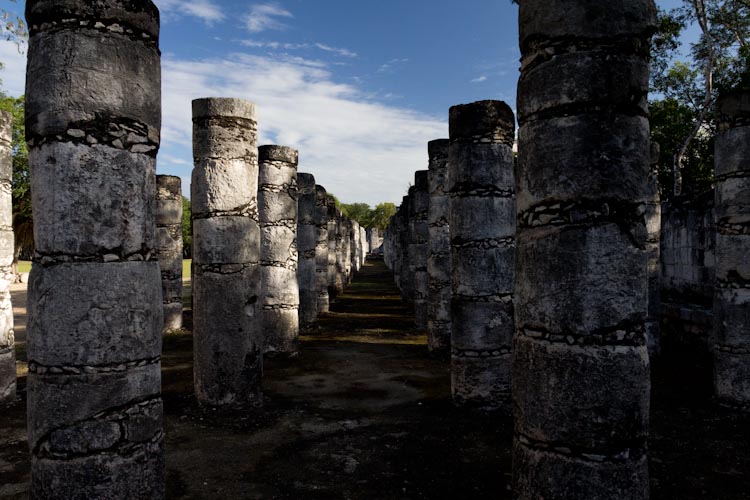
[364, 412]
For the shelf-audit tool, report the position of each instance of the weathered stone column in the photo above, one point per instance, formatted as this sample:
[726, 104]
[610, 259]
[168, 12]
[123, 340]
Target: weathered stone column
[340, 262]
[364, 244]
[581, 367]
[277, 202]
[406, 272]
[332, 241]
[439, 247]
[7, 340]
[732, 292]
[307, 240]
[346, 250]
[419, 246]
[374, 239]
[227, 334]
[169, 247]
[94, 299]
[321, 249]
[482, 231]
[653, 247]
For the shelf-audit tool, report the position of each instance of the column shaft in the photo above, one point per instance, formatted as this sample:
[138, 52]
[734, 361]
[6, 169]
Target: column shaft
[439, 257]
[169, 247]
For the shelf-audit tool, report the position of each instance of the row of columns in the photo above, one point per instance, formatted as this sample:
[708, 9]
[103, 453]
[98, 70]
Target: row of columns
[553, 276]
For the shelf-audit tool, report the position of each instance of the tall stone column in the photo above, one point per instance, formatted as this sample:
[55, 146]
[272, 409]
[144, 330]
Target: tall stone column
[653, 247]
[439, 250]
[340, 263]
[94, 300]
[169, 247]
[406, 274]
[332, 232]
[321, 249]
[364, 245]
[347, 250]
[482, 224]
[227, 334]
[7, 247]
[581, 367]
[419, 246]
[307, 240]
[732, 292]
[277, 201]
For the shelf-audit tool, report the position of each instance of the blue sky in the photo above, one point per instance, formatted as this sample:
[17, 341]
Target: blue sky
[358, 87]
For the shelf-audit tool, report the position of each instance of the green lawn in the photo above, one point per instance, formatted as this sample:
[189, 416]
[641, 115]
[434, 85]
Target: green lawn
[186, 268]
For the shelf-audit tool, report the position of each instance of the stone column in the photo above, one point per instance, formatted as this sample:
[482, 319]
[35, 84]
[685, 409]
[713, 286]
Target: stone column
[374, 239]
[277, 201]
[94, 298]
[340, 262]
[332, 239]
[419, 246]
[581, 367]
[169, 247]
[321, 249]
[364, 245]
[439, 251]
[7, 247]
[347, 248]
[732, 292]
[482, 224]
[653, 247]
[406, 272]
[227, 334]
[307, 240]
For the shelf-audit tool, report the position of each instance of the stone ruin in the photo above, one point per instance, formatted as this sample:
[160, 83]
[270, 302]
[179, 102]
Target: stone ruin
[545, 293]
[94, 297]
[7, 344]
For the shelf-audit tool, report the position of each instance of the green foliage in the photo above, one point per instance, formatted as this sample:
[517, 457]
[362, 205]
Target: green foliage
[360, 212]
[382, 214]
[23, 225]
[187, 229]
[684, 88]
[670, 124]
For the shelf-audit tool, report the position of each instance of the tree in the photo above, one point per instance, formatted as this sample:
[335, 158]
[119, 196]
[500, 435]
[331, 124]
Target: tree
[718, 62]
[382, 214]
[23, 225]
[187, 229]
[360, 212]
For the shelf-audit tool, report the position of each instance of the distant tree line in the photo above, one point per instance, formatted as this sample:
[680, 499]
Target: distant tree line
[368, 217]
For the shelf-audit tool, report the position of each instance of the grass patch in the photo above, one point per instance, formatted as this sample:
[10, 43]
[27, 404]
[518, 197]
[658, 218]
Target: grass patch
[186, 263]
[24, 266]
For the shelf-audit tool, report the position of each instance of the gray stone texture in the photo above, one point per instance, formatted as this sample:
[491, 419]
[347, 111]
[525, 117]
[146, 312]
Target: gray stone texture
[580, 367]
[333, 231]
[169, 247]
[653, 246]
[307, 241]
[406, 269]
[482, 225]
[419, 246]
[341, 261]
[95, 303]
[731, 335]
[277, 204]
[321, 249]
[439, 255]
[7, 339]
[227, 334]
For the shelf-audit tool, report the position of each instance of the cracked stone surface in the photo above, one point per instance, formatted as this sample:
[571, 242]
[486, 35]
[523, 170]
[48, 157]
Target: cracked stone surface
[95, 302]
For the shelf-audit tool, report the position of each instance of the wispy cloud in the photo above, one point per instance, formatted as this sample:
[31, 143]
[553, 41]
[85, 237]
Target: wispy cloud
[206, 10]
[297, 46]
[390, 64]
[263, 17]
[479, 79]
[339, 51]
[359, 148]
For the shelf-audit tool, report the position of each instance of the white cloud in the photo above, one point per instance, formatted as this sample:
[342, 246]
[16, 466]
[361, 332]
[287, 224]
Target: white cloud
[202, 9]
[360, 149]
[479, 79]
[339, 51]
[389, 65]
[263, 17]
[13, 74]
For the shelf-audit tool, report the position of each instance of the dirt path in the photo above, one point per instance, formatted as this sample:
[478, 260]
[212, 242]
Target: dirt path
[365, 413]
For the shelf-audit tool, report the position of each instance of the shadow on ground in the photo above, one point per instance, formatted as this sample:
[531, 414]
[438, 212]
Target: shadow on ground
[364, 412]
